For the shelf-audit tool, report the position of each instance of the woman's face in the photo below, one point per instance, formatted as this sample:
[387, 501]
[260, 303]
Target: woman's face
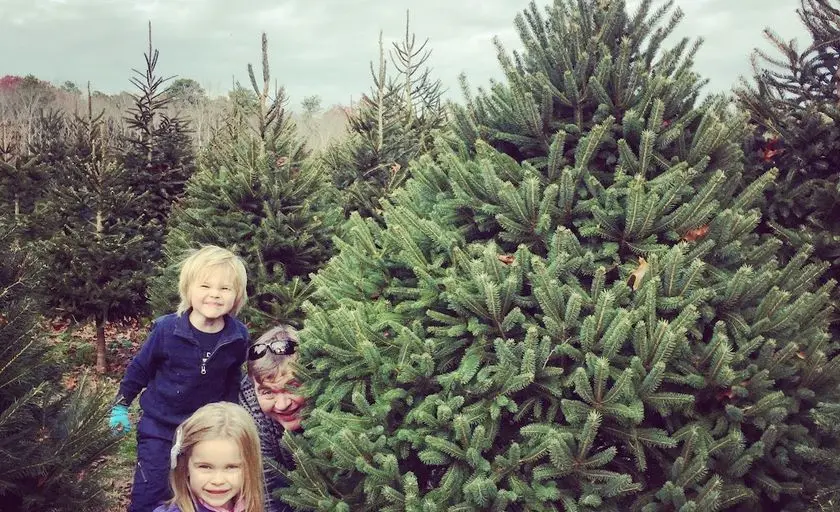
[279, 401]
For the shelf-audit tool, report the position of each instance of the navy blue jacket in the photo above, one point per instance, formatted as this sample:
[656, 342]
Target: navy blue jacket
[176, 375]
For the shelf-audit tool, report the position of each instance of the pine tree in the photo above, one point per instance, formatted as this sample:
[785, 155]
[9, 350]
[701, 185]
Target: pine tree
[54, 146]
[96, 242]
[158, 156]
[20, 179]
[392, 125]
[51, 441]
[793, 104]
[569, 308]
[257, 192]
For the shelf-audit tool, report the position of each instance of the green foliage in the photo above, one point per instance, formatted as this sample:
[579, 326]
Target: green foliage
[71, 88]
[20, 178]
[243, 99]
[792, 102]
[257, 193]
[90, 232]
[311, 105]
[392, 125]
[158, 157]
[569, 308]
[51, 441]
[186, 91]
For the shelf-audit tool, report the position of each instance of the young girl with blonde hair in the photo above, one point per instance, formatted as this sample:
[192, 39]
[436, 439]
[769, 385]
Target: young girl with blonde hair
[215, 462]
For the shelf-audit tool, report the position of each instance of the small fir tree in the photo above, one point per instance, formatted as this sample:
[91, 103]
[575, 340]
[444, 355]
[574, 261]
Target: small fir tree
[52, 441]
[569, 309]
[21, 181]
[96, 242]
[53, 148]
[158, 156]
[257, 192]
[392, 125]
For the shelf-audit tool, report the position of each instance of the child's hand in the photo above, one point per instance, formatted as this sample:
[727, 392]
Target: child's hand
[119, 421]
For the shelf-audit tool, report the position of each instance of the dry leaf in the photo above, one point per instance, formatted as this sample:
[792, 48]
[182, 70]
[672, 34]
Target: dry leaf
[725, 395]
[70, 382]
[770, 153]
[507, 259]
[694, 234]
[635, 279]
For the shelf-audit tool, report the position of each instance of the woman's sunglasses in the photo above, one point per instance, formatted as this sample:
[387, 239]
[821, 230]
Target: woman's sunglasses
[284, 347]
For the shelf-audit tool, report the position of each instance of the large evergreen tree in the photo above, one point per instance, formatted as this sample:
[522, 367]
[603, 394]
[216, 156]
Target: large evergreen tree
[257, 192]
[51, 441]
[393, 124]
[570, 309]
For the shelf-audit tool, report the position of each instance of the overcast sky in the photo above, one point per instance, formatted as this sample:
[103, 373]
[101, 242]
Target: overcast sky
[321, 47]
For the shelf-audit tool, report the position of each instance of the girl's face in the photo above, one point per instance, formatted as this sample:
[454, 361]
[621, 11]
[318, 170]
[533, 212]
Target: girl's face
[279, 401]
[216, 472]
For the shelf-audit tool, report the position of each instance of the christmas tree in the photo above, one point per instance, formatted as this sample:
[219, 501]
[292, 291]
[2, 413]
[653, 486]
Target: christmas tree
[157, 155]
[95, 239]
[54, 145]
[257, 192]
[392, 125]
[52, 441]
[15, 168]
[793, 104]
[570, 309]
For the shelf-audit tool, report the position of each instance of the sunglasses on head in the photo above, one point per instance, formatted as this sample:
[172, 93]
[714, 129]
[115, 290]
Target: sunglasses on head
[280, 347]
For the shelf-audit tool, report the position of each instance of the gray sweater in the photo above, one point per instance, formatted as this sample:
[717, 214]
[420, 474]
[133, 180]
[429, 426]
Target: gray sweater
[271, 445]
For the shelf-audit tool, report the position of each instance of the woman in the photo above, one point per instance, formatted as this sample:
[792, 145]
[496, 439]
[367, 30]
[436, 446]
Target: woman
[269, 393]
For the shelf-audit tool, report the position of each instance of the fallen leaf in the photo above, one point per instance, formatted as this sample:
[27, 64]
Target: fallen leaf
[635, 279]
[507, 259]
[768, 154]
[726, 395]
[694, 234]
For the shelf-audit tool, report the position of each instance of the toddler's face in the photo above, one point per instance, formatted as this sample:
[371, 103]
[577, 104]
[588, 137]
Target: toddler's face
[279, 401]
[212, 295]
[216, 472]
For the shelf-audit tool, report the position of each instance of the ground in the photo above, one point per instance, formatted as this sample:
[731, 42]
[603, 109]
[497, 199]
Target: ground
[75, 344]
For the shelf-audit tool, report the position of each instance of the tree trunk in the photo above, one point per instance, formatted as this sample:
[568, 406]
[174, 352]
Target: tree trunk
[101, 362]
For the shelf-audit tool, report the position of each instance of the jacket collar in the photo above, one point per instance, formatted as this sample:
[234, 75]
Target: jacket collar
[184, 330]
[239, 506]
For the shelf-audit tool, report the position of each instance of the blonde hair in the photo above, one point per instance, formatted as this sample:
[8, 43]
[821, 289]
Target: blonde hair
[210, 256]
[220, 420]
[270, 365]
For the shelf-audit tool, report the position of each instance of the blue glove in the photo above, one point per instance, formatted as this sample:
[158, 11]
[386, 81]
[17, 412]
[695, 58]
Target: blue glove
[119, 421]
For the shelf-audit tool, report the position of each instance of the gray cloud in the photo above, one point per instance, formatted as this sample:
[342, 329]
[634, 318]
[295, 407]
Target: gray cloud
[321, 46]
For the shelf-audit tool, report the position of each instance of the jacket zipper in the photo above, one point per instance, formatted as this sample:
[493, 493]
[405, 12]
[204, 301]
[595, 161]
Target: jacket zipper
[208, 355]
[204, 362]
